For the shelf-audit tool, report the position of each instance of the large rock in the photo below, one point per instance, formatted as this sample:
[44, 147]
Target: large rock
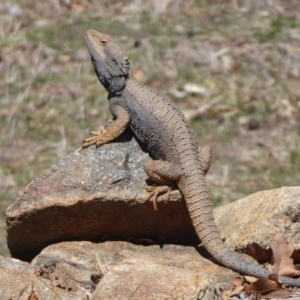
[258, 217]
[95, 194]
[19, 281]
[137, 272]
[99, 194]
[113, 270]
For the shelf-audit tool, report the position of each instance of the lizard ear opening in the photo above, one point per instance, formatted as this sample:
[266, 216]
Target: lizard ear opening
[126, 65]
[103, 42]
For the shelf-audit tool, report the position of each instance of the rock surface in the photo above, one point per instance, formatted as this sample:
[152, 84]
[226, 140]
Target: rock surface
[19, 281]
[98, 195]
[258, 217]
[95, 194]
[138, 272]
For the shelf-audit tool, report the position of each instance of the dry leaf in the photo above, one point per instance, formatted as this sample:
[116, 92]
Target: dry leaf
[259, 253]
[249, 279]
[282, 262]
[33, 296]
[261, 285]
[278, 294]
[237, 291]
[296, 255]
[238, 282]
[255, 287]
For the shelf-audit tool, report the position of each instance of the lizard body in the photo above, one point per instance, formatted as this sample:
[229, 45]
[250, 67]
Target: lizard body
[163, 129]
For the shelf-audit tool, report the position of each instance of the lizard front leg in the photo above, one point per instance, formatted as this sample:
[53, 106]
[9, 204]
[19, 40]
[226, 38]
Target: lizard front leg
[165, 174]
[114, 129]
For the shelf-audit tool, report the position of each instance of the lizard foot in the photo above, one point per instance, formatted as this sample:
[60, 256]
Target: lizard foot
[97, 138]
[156, 191]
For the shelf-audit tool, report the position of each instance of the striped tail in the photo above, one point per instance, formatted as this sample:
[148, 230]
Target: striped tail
[195, 190]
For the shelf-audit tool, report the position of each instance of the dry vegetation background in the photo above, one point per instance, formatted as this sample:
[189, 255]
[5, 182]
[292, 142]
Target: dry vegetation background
[232, 66]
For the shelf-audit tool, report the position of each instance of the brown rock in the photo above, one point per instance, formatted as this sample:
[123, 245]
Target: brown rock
[18, 281]
[139, 272]
[95, 194]
[100, 195]
[258, 217]
[70, 277]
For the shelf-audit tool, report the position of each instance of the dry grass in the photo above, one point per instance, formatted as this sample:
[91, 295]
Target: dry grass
[232, 66]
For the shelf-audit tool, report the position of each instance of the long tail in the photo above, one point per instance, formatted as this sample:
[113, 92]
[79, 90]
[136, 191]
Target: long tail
[199, 205]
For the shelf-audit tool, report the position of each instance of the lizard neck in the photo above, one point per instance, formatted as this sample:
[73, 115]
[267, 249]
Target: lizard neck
[113, 85]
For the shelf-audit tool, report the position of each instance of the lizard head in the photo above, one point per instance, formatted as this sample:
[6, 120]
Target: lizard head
[110, 62]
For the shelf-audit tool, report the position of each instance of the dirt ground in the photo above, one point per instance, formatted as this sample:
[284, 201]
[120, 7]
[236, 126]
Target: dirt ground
[232, 66]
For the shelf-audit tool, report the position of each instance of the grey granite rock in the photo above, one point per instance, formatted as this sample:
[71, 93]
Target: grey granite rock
[95, 194]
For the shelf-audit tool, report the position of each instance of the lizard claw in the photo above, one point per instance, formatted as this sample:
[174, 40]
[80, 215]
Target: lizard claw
[95, 133]
[96, 139]
[156, 191]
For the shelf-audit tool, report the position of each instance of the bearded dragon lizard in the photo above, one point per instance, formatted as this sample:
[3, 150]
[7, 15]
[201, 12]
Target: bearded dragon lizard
[159, 124]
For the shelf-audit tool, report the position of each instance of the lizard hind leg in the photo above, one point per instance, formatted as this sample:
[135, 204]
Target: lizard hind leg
[164, 174]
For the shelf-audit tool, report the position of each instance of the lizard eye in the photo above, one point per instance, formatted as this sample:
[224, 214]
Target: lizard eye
[103, 42]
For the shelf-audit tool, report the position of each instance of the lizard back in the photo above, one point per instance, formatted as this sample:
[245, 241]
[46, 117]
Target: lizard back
[159, 124]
